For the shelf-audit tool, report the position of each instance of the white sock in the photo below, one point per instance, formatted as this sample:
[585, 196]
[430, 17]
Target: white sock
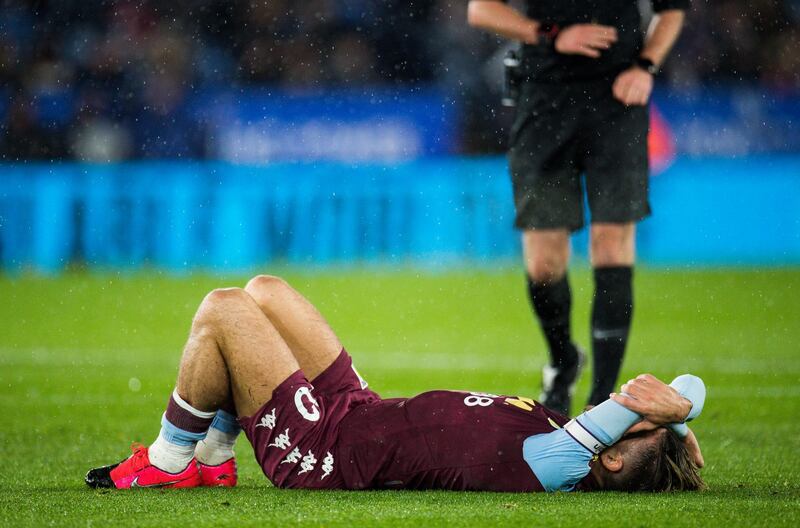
[169, 457]
[216, 447]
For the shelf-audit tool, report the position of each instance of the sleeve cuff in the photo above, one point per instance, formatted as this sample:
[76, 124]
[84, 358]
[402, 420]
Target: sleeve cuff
[693, 389]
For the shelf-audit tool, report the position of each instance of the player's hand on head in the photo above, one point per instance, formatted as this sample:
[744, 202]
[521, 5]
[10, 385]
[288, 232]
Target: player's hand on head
[588, 40]
[633, 87]
[656, 401]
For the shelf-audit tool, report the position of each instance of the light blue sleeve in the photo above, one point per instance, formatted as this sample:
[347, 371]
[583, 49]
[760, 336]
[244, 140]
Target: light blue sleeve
[693, 389]
[558, 461]
[608, 421]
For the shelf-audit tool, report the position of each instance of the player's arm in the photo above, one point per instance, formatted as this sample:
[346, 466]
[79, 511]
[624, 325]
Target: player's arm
[692, 388]
[634, 85]
[579, 39]
[648, 398]
[561, 458]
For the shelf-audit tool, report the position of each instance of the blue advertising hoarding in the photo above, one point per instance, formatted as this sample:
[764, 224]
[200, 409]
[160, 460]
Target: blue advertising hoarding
[446, 211]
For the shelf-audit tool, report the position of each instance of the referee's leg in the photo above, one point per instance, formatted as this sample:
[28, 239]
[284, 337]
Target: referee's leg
[612, 253]
[546, 253]
[617, 190]
[548, 198]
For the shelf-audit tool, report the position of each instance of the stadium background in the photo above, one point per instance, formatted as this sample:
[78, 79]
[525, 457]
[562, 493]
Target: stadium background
[151, 152]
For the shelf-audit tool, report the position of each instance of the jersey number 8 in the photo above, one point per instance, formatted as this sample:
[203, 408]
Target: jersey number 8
[479, 399]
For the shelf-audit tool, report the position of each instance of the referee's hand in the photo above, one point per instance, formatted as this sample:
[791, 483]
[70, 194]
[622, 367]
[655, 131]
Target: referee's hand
[633, 87]
[585, 39]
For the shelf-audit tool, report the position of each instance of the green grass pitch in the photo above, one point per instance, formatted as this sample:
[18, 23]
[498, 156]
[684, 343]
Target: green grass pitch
[87, 363]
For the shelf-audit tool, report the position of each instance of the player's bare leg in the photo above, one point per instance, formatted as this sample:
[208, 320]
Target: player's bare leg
[234, 357]
[228, 323]
[235, 352]
[310, 338]
[612, 256]
[547, 253]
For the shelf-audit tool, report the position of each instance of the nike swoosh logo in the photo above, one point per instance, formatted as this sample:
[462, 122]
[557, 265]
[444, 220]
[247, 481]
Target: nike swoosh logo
[135, 484]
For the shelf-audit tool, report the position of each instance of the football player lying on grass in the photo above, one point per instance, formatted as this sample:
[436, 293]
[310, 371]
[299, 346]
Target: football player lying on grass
[266, 355]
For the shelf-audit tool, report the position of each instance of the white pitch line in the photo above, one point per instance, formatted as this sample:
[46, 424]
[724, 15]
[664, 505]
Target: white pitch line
[402, 361]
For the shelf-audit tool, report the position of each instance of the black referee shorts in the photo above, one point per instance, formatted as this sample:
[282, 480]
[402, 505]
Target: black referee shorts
[563, 131]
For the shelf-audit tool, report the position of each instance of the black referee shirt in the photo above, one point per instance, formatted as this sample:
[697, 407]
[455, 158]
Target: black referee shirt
[544, 64]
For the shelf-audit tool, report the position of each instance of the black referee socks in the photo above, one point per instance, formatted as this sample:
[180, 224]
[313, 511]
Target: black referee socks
[611, 321]
[552, 303]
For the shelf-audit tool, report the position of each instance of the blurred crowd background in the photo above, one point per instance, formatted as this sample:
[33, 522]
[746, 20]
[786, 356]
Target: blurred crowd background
[111, 80]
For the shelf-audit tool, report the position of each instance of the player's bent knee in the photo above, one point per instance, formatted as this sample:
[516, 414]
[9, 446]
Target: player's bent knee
[260, 282]
[217, 302]
[262, 287]
[225, 296]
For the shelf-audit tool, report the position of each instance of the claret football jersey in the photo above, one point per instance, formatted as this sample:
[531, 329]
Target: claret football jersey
[444, 439]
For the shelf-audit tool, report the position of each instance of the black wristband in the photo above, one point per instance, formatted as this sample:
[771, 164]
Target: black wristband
[647, 65]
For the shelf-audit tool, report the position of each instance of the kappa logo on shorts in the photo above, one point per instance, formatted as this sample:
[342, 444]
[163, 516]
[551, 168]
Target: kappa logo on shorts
[314, 414]
[308, 463]
[268, 420]
[327, 465]
[293, 457]
[282, 440]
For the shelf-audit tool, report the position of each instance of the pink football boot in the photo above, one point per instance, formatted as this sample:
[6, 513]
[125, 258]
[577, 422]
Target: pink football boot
[223, 475]
[137, 472]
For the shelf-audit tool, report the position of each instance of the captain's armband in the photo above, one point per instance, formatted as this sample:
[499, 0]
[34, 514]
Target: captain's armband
[581, 434]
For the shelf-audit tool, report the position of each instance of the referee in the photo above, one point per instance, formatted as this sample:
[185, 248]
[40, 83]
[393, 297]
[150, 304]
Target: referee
[587, 73]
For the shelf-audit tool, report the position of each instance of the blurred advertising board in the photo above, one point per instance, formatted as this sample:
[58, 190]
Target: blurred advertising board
[256, 126]
[734, 121]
